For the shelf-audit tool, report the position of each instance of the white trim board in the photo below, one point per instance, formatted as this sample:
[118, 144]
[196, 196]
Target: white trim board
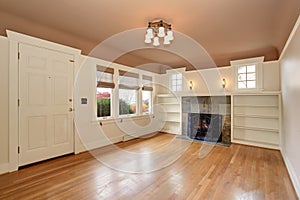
[287, 44]
[292, 173]
[14, 39]
[22, 38]
[4, 168]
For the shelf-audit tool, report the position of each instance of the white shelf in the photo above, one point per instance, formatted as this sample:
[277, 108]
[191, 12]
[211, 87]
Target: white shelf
[255, 143]
[257, 116]
[257, 106]
[256, 119]
[171, 110]
[166, 95]
[171, 103]
[172, 121]
[256, 128]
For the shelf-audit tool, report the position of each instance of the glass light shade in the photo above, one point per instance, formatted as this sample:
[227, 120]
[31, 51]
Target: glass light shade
[170, 35]
[150, 33]
[167, 40]
[147, 40]
[156, 41]
[161, 32]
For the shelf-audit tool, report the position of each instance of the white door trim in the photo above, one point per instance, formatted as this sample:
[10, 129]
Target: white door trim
[14, 40]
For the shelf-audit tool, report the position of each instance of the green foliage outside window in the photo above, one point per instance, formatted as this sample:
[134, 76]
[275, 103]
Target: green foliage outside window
[125, 108]
[103, 107]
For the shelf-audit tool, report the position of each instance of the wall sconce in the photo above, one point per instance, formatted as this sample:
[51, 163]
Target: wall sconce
[223, 82]
[191, 85]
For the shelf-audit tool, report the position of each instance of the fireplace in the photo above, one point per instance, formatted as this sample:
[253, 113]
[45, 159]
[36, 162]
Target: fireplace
[207, 118]
[205, 127]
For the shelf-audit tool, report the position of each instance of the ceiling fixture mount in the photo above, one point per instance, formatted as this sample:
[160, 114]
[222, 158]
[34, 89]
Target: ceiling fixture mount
[159, 29]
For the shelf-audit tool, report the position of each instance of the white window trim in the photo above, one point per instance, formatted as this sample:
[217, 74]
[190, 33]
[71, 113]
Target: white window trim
[112, 100]
[115, 95]
[258, 62]
[111, 107]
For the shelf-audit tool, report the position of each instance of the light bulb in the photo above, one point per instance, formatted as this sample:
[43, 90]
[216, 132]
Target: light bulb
[167, 40]
[170, 35]
[150, 33]
[223, 82]
[156, 41]
[161, 32]
[147, 39]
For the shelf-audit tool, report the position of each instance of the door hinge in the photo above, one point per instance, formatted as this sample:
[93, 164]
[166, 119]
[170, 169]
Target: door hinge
[19, 149]
[18, 55]
[19, 102]
[72, 61]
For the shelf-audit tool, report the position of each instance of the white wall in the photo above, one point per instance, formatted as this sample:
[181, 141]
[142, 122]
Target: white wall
[89, 133]
[271, 76]
[290, 83]
[209, 81]
[4, 103]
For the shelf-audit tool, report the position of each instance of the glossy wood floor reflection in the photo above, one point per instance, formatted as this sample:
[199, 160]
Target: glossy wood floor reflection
[236, 172]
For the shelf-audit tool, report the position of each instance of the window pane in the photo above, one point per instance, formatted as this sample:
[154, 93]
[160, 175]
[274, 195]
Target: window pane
[251, 76]
[146, 99]
[242, 77]
[176, 82]
[251, 69]
[174, 76]
[251, 84]
[179, 87]
[104, 77]
[174, 88]
[242, 85]
[242, 69]
[104, 102]
[127, 101]
[130, 81]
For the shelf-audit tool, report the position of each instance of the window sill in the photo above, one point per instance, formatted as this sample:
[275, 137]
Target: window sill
[248, 90]
[121, 119]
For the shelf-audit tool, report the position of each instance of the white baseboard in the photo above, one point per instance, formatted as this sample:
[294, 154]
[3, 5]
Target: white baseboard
[4, 168]
[291, 172]
[100, 143]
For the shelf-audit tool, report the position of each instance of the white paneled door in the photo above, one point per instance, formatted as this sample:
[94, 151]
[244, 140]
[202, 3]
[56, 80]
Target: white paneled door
[45, 106]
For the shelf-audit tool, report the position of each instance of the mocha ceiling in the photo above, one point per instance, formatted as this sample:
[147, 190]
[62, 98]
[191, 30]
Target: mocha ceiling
[226, 29]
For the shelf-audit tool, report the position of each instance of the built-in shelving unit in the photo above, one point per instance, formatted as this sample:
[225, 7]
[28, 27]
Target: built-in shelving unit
[256, 119]
[169, 112]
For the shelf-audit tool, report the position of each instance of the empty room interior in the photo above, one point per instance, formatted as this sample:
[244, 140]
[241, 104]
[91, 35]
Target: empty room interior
[149, 100]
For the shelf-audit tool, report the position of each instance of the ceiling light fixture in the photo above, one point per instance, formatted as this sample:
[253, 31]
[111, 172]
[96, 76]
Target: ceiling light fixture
[159, 29]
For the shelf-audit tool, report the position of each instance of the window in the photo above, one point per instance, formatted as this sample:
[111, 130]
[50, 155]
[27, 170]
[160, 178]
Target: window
[128, 88]
[246, 77]
[147, 94]
[105, 85]
[176, 82]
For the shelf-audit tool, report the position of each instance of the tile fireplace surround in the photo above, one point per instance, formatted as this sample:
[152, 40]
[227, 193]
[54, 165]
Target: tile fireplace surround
[207, 118]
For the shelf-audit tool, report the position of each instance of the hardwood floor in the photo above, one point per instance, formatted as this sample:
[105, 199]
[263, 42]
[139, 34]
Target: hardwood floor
[235, 172]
